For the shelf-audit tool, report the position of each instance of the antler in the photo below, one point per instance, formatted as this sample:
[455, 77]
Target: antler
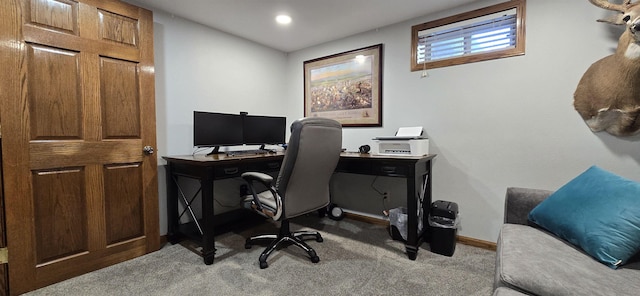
[611, 6]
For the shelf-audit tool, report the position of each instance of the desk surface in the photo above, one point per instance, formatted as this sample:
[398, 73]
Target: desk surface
[204, 159]
[390, 157]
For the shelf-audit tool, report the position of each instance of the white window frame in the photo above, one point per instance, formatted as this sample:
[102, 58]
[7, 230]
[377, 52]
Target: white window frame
[428, 40]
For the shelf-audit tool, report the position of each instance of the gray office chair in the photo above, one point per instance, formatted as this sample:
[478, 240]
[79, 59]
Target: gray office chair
[302, 186]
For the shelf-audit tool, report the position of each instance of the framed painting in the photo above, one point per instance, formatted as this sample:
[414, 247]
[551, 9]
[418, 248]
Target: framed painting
[346, 87]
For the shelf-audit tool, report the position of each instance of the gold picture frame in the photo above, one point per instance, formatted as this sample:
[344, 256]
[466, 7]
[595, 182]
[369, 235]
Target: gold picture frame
[346, 87]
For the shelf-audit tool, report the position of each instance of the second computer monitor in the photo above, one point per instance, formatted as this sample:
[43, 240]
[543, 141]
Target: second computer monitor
[261, 130]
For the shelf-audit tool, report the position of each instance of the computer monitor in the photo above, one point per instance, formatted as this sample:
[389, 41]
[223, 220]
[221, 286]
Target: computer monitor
[261, 130]
[212, 129]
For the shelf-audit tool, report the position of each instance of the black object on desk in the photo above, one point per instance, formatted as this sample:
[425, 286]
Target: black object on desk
[415, 169]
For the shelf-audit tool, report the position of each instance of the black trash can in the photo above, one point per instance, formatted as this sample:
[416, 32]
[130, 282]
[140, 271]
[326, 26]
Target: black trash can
[443, 221]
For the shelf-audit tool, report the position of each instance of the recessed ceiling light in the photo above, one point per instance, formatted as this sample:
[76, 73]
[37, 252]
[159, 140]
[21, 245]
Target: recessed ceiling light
[283, 19]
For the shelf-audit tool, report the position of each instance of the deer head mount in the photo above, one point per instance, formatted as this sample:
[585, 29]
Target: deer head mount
[608, 95]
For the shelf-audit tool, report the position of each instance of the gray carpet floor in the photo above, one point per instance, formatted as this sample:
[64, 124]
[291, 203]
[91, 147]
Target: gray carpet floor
[356, 258]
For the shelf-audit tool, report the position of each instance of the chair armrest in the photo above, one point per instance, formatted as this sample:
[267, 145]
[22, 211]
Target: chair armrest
[263, 178]
[267, 181]
[520, 201]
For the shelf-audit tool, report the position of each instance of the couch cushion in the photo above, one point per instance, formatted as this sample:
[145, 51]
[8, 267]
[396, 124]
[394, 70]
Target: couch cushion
[534, 261]
[597, 211]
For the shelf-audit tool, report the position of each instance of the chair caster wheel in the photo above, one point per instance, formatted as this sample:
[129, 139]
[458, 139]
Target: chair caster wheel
[247, 246]
[263, 265]
[315, 259]
[319, 239]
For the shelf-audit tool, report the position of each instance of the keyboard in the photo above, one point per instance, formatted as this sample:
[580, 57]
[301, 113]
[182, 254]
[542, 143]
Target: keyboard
[247, 152]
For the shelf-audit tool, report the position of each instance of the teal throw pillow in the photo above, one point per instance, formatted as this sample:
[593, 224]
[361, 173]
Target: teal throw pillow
[597, 211]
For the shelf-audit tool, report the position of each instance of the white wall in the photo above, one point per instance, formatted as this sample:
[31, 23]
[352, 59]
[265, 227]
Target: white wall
[493, 124]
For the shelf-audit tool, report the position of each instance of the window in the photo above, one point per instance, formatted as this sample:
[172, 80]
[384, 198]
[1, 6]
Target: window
[489, 33]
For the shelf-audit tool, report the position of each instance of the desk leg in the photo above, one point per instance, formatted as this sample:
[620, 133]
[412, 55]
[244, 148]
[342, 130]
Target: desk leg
[208, 239]
[172, 206]
[426, 201]
[411, 246]
[421, 176]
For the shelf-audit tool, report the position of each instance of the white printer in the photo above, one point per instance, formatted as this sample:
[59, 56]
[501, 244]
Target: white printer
[407, 141]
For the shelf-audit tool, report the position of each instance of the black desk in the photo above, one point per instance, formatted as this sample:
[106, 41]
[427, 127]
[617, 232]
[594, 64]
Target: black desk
[415, 169]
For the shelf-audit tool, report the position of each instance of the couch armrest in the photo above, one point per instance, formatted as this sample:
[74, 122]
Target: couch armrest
[520, 201]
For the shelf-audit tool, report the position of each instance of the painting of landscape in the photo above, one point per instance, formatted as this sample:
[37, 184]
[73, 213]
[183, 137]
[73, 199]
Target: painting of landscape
[345, 88]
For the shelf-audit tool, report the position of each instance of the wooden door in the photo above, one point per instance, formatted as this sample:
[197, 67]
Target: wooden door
[76, 109]
[4, 289]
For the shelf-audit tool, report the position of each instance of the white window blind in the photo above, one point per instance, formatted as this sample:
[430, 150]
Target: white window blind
[477, 35]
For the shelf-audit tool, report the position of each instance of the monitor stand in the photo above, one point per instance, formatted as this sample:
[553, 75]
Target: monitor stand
[216, 150]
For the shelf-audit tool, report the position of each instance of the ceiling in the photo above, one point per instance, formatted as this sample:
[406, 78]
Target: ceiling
[314, 21]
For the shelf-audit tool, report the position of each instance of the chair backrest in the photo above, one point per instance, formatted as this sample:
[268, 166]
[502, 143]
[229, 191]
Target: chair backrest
[312, 154]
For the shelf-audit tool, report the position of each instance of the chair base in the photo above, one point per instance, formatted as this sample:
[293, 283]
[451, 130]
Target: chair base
[285, 236]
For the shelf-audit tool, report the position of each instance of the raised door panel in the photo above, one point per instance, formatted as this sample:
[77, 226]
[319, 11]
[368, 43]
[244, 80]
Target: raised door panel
[118, 28]
[119, 98]
[60, 214]
[123, 202]
[59, 15]
[55, 97]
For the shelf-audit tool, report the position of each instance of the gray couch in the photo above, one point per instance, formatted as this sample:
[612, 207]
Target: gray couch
[530, 261]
